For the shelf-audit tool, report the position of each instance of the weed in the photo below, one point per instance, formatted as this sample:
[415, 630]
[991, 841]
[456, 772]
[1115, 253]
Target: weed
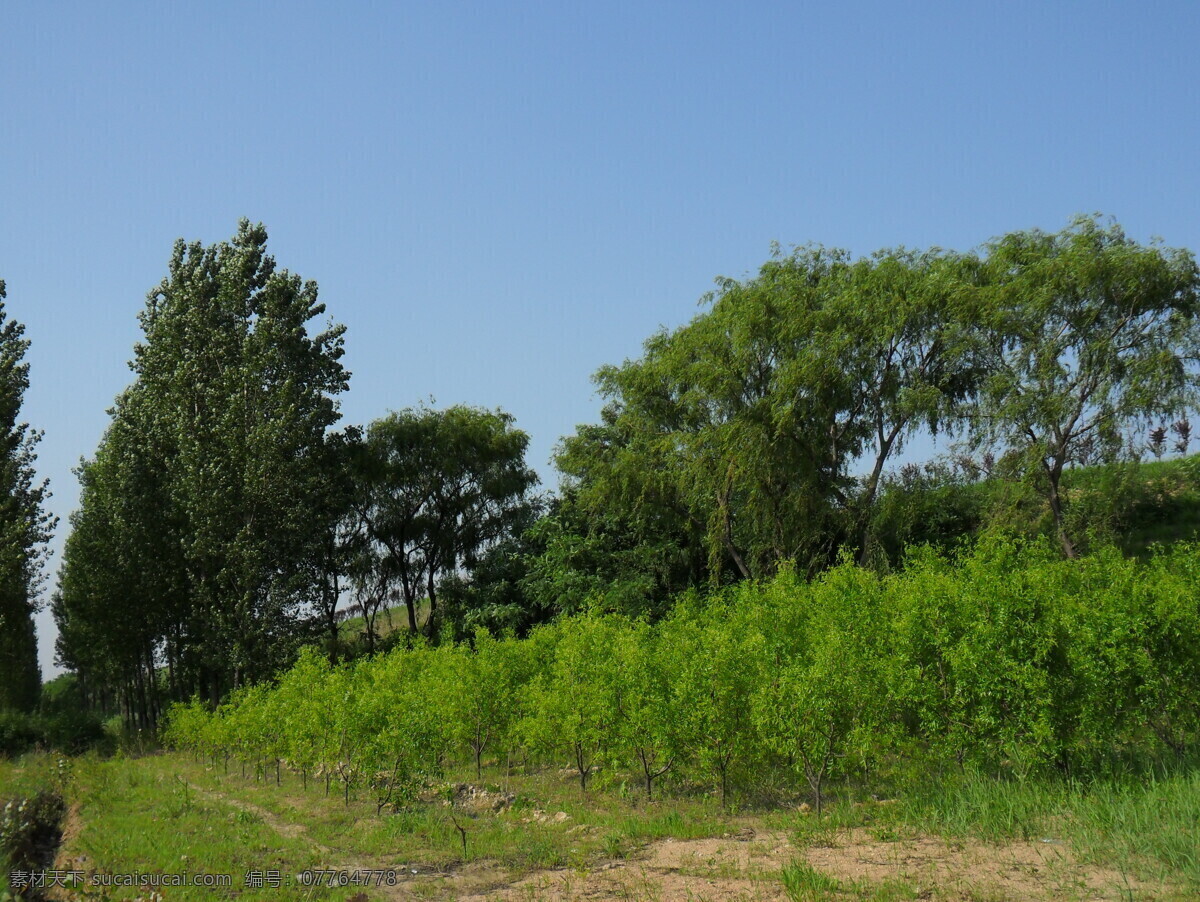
[804, 883]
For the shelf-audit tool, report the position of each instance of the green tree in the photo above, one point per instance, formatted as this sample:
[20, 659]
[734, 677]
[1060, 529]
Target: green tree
[24, 527]
[606, 560]
[902, 339]
[825, 693]
[477, 699]
[716, 433]
[573, 706]
[1089, 334]
[647, 725]
[122, 588]
[246, 396]
[437, 490]
[736, 434]
[205, 513]
[717, 655]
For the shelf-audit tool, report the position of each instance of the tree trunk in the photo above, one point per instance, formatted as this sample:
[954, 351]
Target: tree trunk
[429, 619]
[868, 502]
[1054, 475]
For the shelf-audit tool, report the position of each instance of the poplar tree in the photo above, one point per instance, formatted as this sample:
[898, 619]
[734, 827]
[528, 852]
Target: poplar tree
[24, 526]
[245, 395]
[209, 500]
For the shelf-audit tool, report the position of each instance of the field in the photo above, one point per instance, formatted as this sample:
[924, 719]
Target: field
[516, 836]
[997, 725]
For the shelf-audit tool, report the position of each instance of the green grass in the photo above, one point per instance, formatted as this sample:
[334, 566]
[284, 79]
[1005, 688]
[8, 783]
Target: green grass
[530, 834]
[804, 883]
[169, 814]
[132, 817]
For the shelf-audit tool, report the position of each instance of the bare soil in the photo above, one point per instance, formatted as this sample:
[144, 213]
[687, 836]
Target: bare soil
[748, 866]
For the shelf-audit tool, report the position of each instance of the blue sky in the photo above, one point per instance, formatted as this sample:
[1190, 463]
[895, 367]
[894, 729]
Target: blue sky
[498, 198]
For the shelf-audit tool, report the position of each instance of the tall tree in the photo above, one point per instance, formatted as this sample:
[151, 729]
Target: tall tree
[699, 429]
[246, 395]
[439, 488]
[24, 526]
[218, 472]
[1090, 334]
[903, 338]
[122, 596]
[743, 426]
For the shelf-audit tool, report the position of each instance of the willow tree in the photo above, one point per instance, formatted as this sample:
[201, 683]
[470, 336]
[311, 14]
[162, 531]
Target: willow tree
[1089, 335]
[745, 425]
[24, 526]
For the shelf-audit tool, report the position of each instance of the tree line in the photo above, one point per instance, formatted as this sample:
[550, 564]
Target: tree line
[224, 518]
[227, 514]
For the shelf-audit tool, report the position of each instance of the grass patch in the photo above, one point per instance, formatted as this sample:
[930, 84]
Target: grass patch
[1143, 826]
[804, 883]
[136, 817]
[547, 824]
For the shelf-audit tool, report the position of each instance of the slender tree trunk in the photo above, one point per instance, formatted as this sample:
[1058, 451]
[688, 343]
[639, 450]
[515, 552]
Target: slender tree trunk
[583, 772]
[429, 620]
[410, 602]
[1054, 476]
[868, 501]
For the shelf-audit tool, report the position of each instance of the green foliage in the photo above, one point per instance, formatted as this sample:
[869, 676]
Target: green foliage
[494, 594]
[477, 693]
[718, 656]
[934, 505]
[30, 829]
[1006, 660]
[649, 735]
[19, 732]
[24, 527]
[1088, 334]
[436, 490]
[574, 704]
[804, 883]
[733, 437]
[69, 730]
[205, 512]
[825, 698]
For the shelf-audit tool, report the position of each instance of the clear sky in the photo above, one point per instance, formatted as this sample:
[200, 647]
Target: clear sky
[497, 198]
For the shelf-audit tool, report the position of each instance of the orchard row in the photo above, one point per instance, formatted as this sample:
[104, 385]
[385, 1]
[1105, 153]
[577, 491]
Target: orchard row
[1008, 659]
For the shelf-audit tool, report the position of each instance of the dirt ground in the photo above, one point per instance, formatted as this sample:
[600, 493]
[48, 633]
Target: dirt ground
[748, 867]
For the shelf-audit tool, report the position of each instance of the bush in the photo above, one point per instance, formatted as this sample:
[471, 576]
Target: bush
[19, 733]
[75, 732]
[30, 830]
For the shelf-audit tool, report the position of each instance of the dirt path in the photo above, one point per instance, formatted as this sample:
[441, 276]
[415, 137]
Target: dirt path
[272, 820]
[336, 860]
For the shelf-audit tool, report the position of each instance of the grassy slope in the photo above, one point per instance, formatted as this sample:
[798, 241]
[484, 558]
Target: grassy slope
[1167, 506]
